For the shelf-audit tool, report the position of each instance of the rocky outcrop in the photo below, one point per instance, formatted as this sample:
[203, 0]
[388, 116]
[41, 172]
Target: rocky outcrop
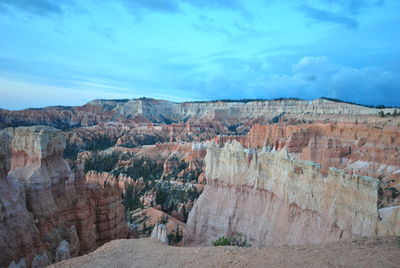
[275, 200]
[149, 217]
[19, 235]
[41, 203]
[389, 221]
[355, 148]
[63, 251]
[160, 232]
[40, 261]
[109, 219]
[108, 180]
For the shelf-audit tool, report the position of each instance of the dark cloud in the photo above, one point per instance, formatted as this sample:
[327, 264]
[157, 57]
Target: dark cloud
[310, 78]
[38, 7]
[367, 85]
[321, 15]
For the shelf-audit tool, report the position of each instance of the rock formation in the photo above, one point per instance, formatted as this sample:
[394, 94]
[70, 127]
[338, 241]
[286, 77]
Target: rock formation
[355, 148]
[275, 200]
[42, 204]
[61, 117]
[161, 111]
[160, 232]
[148, 218]
[63, 251]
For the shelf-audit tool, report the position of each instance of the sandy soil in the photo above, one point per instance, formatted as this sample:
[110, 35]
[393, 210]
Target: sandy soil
[371, 252]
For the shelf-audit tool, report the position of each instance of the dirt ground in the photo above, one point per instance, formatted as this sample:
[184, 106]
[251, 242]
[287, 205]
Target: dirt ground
[380, 252]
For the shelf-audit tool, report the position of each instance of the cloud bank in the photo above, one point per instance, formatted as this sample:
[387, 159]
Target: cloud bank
[309, 78]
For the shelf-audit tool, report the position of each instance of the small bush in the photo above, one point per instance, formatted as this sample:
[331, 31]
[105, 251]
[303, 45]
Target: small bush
[238, 240]
[222, 241]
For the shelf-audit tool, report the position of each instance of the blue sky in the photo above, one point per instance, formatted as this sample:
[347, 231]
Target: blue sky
[64, 52]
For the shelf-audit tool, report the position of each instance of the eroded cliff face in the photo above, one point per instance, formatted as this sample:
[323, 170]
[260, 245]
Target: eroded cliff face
[275, 200]
[166, 112]
[356, 148]
[42, 204]
[18, 232]
[159, 110]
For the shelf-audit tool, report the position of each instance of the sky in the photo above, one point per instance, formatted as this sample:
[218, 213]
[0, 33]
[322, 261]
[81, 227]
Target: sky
[66, 52]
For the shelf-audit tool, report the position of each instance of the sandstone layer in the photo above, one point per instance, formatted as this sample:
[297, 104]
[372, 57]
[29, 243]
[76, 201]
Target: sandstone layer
[42, 204]
[275, 200]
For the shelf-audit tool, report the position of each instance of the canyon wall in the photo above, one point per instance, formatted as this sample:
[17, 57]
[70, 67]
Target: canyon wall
[161, 111]
[44, 209]
[275, 200]
[154, 110]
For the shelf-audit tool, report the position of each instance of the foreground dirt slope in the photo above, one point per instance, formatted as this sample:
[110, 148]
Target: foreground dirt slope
[370, 252]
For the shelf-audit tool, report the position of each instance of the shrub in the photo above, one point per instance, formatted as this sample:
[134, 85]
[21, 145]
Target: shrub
[238, 240]
[71, 151]
[175, 237]
[163, 220]
[222, 241]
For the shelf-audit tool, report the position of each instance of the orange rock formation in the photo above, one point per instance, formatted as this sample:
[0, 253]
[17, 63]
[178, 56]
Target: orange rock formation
[43, 204]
